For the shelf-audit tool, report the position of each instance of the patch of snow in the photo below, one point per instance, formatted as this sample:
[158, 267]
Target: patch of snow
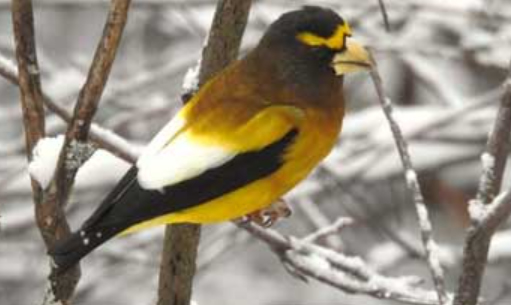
[488, 161]
[49, 296]
[411, 177]
[384, 255]
[434, 260]
[116, 140]
[33, 69]
[102, 167]
[8, 64]
[500, 248]
[191, 79]
[45, 157]
[477, 210]
[423, 215]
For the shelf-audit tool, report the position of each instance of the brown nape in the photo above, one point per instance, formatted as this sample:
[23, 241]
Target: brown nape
[297, 73]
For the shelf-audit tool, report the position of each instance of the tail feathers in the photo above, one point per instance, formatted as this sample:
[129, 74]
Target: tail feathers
[72, 249]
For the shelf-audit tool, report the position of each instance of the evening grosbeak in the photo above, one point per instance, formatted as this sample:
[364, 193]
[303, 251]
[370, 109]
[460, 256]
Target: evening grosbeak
[246, 138]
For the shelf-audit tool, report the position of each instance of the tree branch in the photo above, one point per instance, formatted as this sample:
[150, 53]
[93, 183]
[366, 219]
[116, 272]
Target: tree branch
[349, 274]
[484, 222]
[50, 202]
[100, 136]
[74, 151]
[28, 76]
[412, 183]
[33, 119]
[181, 240]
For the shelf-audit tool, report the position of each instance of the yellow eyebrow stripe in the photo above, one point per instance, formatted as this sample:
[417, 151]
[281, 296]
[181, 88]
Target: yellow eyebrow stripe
[335, 42]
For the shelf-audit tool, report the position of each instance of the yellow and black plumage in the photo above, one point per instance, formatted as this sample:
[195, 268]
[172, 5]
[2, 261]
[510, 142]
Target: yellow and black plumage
[246, 138]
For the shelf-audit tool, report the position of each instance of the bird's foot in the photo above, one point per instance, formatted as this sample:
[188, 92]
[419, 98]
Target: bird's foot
[268, 216]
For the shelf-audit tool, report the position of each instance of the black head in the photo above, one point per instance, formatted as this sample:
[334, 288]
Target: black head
[301, 45]
[314, 32]
[307, 50]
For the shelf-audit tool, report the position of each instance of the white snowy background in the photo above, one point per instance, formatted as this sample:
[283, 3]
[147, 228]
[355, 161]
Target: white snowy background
[442, 65]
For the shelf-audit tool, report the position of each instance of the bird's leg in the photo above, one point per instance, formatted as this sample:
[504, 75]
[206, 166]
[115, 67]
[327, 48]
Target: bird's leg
[268, 216]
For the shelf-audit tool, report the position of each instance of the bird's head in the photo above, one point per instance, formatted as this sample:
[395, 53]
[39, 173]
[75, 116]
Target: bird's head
[316, 39]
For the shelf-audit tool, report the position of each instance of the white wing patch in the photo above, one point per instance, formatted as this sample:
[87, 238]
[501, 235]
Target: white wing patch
[163, 164]
[164, 136]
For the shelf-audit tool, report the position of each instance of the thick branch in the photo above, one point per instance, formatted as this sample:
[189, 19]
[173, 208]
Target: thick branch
[50, 214]
[33, 119]
[28, 76]
[477, 243]
[179, 259]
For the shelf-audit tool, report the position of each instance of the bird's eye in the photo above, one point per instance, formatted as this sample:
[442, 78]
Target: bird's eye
[323, 52]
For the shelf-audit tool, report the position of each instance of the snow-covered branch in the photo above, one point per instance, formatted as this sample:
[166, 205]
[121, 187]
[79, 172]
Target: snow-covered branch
[485, 215]
[350, 274]
[412, 182]
[51, 197]
[8, 69]
[34, 121]
[77, 133]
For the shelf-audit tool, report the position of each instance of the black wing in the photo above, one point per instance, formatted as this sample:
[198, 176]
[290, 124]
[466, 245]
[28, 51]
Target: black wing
[127, 204]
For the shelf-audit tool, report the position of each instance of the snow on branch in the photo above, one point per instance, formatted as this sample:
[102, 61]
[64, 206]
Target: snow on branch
[100, 136]
[430, 246]
[488, 210]
[76, 148]
[8, 69]
[350, 274]
[45, 156]
[49, 214]
[90, 94]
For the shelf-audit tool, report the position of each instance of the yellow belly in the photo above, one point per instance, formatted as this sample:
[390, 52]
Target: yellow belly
[315, 139]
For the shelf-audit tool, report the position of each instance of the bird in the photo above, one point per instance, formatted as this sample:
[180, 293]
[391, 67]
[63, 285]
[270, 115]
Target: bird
[247, 137]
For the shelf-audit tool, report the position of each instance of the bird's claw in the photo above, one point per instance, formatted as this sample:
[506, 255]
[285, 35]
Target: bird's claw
[267, 217]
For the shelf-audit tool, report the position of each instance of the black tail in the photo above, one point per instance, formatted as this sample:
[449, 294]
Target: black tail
[129, 203]
[95, 231]
[72, 249]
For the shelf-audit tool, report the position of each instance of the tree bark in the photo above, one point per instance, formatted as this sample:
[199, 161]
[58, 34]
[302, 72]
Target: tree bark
[181, 241]
[477, 242]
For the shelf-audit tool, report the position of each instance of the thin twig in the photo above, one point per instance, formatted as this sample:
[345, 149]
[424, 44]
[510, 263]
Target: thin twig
[412, 183]
[385, 15]
[78, 130]
[7, 67]
[484, 223]
[100, 136]
[349, 274]
[334, 228]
